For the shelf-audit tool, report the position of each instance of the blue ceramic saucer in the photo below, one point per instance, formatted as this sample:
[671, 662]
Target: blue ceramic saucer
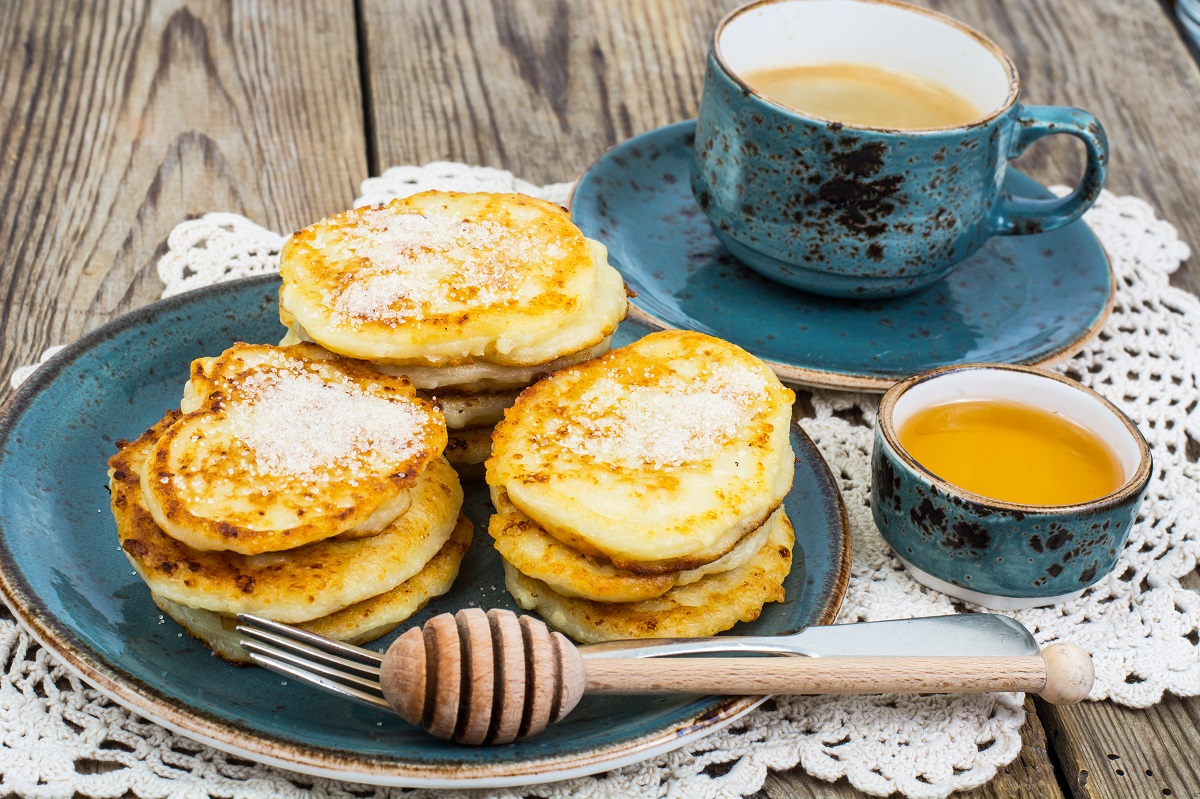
[85, 604]
[1021, 299]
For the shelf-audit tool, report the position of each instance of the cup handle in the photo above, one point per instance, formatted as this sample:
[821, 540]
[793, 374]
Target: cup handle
[1022, 215]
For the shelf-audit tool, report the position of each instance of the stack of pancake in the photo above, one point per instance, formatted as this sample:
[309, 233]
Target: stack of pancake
[294, 484]
[639, 494]
[470, 296]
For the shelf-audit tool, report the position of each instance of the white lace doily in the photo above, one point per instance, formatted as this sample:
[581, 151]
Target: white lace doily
[1139, 624]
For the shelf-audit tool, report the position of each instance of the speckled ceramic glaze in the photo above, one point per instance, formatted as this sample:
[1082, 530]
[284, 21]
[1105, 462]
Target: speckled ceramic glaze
[852, 211]
[87, 606]
[1020, 299]
[1001, 554]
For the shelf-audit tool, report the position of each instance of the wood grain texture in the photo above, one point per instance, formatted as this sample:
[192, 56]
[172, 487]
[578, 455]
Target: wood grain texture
[479, 676]
[757, 676]
[1106, 750]
[120, 120]
[1111, 751]
[539, 87]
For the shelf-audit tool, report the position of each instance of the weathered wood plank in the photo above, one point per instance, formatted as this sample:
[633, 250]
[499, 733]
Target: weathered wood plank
[1030, 775]
[1108, 751]
[540, 88]
[119, 120]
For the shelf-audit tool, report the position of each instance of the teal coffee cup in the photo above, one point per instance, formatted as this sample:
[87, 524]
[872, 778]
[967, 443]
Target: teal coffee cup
[849, 210]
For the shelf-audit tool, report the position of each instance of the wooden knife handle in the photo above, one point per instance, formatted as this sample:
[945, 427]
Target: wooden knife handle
[1061, 674]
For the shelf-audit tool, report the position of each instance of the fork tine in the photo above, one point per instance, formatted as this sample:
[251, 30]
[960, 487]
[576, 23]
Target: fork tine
[319, 668]
[307, 653]
[255, 624]
[317, 681]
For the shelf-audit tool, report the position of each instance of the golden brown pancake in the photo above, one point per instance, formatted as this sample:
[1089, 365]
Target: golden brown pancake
[572, 573]
[733, 538]
[463, 409]
[445, 278]
[478, 376]
[482, 376]
[378, 615]
[287, 446]
[469, 446]
[357, 624]
[675, 445]
[703, 608]
[296, 585]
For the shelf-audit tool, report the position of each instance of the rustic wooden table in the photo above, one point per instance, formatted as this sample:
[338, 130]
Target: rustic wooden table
[120, 119]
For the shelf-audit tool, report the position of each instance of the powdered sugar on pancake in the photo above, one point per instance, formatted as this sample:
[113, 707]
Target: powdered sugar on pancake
[665, 425]
[297, 424]
[414, 265]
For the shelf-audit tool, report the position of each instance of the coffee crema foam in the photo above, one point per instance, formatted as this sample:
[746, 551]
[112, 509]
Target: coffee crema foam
[864, 95]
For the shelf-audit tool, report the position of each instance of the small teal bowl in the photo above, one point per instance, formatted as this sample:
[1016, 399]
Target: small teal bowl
[1002, 555]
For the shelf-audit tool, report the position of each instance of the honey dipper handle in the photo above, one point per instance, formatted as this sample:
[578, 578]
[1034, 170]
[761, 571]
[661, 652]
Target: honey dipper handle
[1062, 673]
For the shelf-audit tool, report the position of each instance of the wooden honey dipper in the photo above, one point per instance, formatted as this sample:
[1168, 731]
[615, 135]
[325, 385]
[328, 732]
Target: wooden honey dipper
[494, 677]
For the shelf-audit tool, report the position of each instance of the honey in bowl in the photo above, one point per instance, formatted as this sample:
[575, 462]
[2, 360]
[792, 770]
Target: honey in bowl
[1012, 452]
[865, 95]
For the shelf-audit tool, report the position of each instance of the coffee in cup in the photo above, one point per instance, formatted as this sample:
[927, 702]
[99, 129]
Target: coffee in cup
[862, 94]
[849, 206]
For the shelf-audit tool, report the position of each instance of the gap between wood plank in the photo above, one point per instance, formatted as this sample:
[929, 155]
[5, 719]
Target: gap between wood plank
[364, 86]
[1052, 755]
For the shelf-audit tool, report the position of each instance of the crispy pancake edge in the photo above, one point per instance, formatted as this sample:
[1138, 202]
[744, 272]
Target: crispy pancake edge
[172, 512]
[356, 624]
[740, 597]
[266, 585]
[583, 306]
[528, 473]
[537, 554]
[722, 547]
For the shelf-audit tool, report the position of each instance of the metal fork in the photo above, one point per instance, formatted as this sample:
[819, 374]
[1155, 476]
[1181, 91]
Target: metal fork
[339, 668]
[353, 672]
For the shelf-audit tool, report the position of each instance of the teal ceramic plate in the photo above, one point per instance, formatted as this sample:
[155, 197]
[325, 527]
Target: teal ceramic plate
[66, 579]
[1021, 299]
